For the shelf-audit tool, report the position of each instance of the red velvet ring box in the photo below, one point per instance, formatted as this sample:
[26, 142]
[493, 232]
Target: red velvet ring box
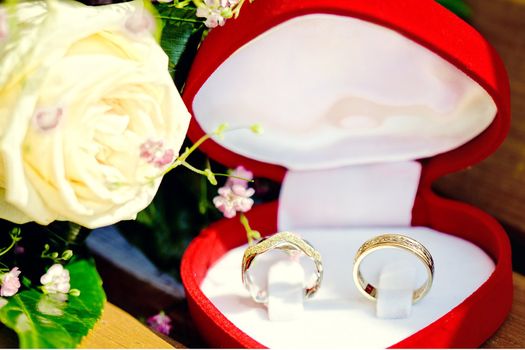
[364, 105]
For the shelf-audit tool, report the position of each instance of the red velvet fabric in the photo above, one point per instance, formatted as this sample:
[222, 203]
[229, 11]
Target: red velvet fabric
[434, 27]
[466, 326]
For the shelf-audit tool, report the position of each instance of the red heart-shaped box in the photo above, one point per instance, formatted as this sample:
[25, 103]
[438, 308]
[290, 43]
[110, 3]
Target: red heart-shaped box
[364, 105]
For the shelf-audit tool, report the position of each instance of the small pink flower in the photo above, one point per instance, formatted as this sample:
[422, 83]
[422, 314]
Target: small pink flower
[240, 171]
[48, 118]
[140, 21]
[212, 11]
[234, 199]
[229, 3]
[154, 153]
[55, 280]
[4, 29]
[10, 283]
[160, 323]
[213, 17]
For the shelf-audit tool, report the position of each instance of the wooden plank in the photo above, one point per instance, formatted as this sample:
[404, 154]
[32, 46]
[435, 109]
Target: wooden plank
[117, 329]
[512, 333]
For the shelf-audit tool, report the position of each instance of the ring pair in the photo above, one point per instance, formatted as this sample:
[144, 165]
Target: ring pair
[294, 244]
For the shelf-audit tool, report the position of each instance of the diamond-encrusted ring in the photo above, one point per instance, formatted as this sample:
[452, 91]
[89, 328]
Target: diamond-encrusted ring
[393, 241]
[286, 241]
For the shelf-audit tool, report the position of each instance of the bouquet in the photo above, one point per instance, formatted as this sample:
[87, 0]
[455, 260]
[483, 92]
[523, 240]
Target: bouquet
[91, 121]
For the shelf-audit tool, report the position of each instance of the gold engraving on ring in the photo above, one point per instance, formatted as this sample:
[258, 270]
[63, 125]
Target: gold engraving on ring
[393, 241]
[286, 241]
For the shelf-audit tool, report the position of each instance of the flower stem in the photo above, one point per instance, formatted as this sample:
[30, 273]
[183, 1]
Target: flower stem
[76, 234]
[192, 168]
[250, 234]
[15, 237]
[74, 230]
[179, 19]
[182, 158]
[198, 3]
[5, 268]
[4, 251]
[194, 147]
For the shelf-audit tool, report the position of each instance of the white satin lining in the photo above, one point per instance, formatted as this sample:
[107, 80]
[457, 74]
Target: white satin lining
[362, 195]
[332, 91]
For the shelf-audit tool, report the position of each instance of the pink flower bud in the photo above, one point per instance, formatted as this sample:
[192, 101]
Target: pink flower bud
[48, 119]
[160, 323]
[10, 283]
[154, 153]
[4, 29]
[242, 172]
[234, 199]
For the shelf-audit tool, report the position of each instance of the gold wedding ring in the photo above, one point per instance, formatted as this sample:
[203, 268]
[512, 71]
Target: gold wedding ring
[289, 242]
[393, 241]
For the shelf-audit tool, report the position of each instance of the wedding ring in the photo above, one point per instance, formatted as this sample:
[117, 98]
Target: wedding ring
[289, 242]
[393, 241]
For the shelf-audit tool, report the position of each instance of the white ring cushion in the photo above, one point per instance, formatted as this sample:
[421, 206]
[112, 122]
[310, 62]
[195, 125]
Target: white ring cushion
[339, 316]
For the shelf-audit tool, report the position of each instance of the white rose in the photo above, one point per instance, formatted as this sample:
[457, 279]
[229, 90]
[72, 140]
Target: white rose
[88, 113]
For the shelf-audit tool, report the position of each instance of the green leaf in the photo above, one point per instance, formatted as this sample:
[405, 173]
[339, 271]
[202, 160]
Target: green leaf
[44, 321]
[458, 7]
[181, 35]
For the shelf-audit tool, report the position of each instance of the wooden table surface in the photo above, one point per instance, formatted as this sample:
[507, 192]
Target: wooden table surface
[117, 329]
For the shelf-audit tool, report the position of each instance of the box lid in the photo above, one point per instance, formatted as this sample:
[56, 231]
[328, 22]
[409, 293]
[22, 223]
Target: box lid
[344, 82]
